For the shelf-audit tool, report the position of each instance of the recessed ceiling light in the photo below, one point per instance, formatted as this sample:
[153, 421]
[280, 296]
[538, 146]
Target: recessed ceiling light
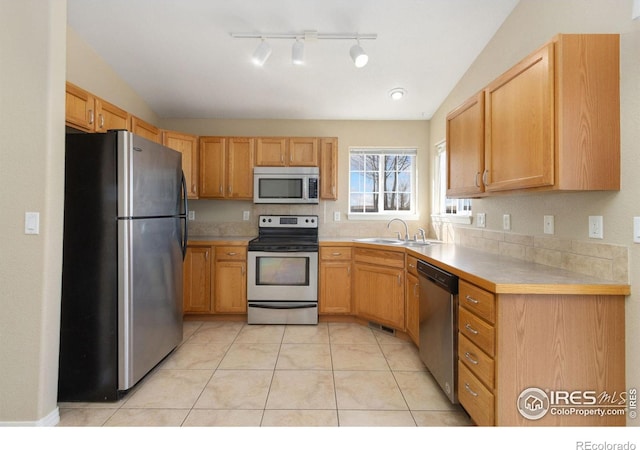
[397, 93]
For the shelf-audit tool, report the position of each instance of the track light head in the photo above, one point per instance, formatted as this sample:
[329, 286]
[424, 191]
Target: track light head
[358, 55]
[297, 53]
[261, 54]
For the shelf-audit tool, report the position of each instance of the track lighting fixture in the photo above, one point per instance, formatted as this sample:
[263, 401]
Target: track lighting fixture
[358, 55]
[297, 52]
[261, 54]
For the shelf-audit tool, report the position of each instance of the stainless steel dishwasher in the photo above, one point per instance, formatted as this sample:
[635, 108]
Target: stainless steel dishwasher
[439, 326]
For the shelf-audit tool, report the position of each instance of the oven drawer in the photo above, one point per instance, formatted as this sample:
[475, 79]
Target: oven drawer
[231, 253]
[335, 253]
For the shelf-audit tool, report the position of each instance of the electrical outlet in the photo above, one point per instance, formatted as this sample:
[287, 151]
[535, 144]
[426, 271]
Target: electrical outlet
[596, 227]
[506, 222]
[336, 216]
[549, 226]
[192, 215]
[481, 220]
[636, 229]
[245, 215]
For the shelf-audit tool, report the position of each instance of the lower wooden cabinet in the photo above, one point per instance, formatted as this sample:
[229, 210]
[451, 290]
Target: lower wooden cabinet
[335, 280]
[230, 280]
[197, 280]
[379, 286]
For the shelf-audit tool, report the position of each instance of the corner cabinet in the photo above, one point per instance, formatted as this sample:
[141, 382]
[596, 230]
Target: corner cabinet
[551, 123]
[378, 286]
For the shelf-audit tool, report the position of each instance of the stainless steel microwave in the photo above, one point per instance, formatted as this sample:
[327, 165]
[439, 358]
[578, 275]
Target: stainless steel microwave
[286, 185]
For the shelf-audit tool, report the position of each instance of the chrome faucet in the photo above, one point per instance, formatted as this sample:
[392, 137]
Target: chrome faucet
[422, 234]
[406, 228]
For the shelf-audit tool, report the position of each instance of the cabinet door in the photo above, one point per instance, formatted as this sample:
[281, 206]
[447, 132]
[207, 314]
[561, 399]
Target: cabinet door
[187, 145]
[212, 161]
[110, 117]
[465, 148]
[197, 280]
[231, 287]
[79, 108]
[271, 151]
[145, 129]
[335, 287]
[240, 168]
[519, 128]
[329, 168]
[379, 294]
[412, 316]
[303, 152]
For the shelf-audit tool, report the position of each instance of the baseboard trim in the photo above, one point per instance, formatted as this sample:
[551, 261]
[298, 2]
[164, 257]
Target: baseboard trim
[50, 420]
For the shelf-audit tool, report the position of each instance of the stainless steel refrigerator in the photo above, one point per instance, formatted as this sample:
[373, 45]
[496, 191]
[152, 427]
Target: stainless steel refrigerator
[125, 234]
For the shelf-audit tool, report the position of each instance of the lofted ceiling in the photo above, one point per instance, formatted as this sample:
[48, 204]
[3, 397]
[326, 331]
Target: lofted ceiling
[180, 57]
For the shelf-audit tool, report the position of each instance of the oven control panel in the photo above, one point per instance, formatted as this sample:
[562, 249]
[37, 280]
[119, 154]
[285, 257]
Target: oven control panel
[288, 221]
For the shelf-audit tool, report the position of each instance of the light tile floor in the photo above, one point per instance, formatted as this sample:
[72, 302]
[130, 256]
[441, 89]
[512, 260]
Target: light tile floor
[234, 374]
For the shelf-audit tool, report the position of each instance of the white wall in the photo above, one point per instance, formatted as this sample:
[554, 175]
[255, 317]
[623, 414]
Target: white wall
[32, 77]
[531, 24]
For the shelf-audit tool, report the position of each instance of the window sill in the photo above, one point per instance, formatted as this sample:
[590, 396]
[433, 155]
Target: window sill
[356, 216]
[452, 218]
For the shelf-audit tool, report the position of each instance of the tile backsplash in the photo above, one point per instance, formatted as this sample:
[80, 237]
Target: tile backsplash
[605, 261]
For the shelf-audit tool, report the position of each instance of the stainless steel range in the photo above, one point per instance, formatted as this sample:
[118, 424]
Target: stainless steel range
[282, 273]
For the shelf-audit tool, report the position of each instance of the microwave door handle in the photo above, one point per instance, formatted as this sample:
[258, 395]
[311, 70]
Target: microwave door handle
[305, 189]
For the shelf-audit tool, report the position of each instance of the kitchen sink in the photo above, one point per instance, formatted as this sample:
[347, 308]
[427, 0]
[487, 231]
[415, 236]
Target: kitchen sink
[416, 244]
[386, 241]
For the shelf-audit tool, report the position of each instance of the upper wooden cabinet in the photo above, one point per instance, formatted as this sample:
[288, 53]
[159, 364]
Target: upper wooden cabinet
[186, 144]
[283, 151]
[145, 129]
[465, 148]
[89, 113]
[328, 168]
[552, 122]
[226, 167]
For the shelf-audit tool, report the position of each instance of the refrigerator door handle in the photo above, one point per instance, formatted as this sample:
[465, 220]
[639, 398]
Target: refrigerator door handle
[185, 232]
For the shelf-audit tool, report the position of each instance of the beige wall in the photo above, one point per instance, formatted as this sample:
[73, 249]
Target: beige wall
[531, 24]
[32, 44]
[210, 213]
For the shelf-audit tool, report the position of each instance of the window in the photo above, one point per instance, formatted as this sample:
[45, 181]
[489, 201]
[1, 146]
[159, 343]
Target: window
[444, 207]
[382, 181]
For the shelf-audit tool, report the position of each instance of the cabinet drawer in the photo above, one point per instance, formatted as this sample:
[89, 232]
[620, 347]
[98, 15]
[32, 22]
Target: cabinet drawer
[477, 330]
[481, 302]
[475, 359]
[231, 253]
[335, 253]
[381, 257]
[412, 265]
[477, 400]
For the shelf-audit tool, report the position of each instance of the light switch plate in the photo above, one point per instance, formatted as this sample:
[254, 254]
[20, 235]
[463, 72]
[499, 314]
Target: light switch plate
[506, 222]
[245, 215]
[636, 230]
[192, 215]
[481, 220]
[596, 225]
[32, 223]
[336, 216]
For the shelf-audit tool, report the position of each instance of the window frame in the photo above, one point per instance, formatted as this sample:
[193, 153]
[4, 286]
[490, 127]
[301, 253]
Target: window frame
[440, 203]
[413, 213]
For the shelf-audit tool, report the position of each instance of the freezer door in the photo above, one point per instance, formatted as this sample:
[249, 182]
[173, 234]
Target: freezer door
[150, 294]
[149, 178]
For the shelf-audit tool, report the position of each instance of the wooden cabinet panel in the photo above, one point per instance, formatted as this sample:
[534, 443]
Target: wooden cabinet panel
[187, 145]
[239, 173]
[475, 397]
[477, 331]
[481, 364]
[231, 280]
[213, 164]
[379, 294]
[478, 301]
[110, 117]
[303, 152]
[79, 108]
[519, 146]
[465, 148]
[197, 280]
[271, 151]
[145, 129]
[328, 168]
[335, 280]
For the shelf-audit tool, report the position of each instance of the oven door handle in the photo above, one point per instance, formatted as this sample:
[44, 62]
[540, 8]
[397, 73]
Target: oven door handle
[280, 306]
